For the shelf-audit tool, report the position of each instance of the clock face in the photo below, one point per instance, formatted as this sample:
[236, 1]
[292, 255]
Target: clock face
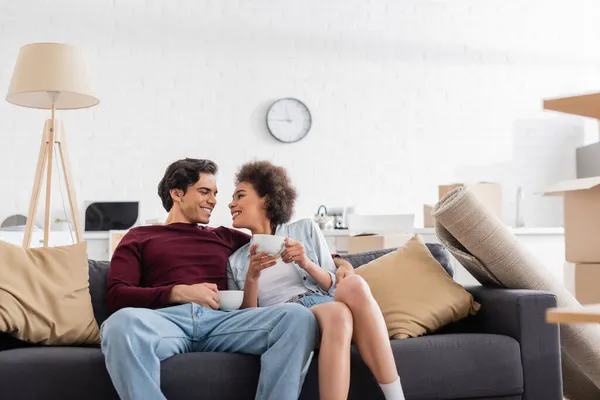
[288, 120]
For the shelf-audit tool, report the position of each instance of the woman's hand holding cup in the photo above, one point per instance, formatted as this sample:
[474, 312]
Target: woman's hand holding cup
[259, 262]
[294, 252]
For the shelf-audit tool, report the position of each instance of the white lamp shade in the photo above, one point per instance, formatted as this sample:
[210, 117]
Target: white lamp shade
[47, 73]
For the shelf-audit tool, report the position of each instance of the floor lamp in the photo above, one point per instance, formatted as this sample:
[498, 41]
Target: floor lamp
[52, 76]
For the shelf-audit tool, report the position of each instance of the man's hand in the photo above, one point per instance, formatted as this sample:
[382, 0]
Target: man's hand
[204, 294]
[344, 269]
[294, 251]
[259, 262]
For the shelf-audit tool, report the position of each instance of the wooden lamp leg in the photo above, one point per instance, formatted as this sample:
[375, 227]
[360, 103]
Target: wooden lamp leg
[66, 166]
[50, 158]
[37, 184]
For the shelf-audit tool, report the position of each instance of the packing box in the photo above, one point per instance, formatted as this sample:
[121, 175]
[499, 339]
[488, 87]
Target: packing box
[581, 218]
[585, 105]
[445, 189]
[588, 160]
[489, 193]
[370, 242]
[428, 220]
[583, 281]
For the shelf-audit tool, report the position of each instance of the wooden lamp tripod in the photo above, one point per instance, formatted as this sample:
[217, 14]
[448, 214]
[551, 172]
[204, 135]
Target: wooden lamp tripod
[52, 76]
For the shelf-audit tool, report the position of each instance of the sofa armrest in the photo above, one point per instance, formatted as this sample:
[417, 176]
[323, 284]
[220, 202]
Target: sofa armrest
[521, 314]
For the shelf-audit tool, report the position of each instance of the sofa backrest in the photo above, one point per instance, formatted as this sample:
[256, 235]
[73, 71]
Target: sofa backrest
[98, 271]
[98, 274]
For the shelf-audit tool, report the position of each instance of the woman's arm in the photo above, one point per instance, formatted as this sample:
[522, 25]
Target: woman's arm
[323, 272]
[323, 254]
[250, 288]
[322, 277]
[258, 262]
[250, 294]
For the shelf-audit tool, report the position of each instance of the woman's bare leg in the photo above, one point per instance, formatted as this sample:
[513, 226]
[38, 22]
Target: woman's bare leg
[370, 332]
[335, 321]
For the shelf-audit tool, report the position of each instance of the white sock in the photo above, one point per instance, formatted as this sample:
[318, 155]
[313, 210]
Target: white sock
[392, 391]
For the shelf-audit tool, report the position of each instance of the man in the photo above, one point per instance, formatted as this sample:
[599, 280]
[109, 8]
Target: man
[163, 291]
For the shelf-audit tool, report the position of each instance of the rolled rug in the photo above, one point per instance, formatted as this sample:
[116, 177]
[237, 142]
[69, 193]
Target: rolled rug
[494, 256]
[577, 386]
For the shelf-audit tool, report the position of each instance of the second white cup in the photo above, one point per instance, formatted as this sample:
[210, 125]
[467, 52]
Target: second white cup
[270, 243]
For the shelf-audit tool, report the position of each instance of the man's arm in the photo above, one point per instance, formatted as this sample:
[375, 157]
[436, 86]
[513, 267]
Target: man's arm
[124, 278]
[239, 238]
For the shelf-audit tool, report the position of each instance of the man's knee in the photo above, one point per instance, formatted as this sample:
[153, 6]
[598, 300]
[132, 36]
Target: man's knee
[299, 316]
[122, 324]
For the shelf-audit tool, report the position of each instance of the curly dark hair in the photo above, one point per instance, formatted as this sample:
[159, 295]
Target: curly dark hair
[180, 175]
[271, 181]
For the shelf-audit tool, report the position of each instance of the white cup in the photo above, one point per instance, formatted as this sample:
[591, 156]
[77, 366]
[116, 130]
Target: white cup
[230, 300]
[270, 243]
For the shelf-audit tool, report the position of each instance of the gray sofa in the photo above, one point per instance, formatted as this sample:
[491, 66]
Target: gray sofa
[506, 351]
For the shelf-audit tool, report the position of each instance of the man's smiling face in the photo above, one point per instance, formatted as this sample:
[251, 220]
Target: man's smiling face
[199, 200]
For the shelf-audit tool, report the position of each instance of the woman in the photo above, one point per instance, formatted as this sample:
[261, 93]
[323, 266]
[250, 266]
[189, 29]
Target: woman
[304, 273]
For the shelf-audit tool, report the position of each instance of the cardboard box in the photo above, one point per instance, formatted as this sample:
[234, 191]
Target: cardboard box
[588, 160]
[581, 218]
[583, 281]
[428, 220]
[445, 189]
[489, 193]
[585, 105]
[114, 239]
[370, 242]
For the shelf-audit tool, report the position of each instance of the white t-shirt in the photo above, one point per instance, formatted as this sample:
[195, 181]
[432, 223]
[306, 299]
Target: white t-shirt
[279, 283]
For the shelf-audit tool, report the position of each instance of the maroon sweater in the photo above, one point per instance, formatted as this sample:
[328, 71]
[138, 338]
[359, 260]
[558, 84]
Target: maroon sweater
[150, 260]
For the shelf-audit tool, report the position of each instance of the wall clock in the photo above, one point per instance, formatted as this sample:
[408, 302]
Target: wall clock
[288, 120]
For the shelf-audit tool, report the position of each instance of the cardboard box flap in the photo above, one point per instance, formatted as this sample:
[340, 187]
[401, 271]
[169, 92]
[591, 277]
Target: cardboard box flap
[586, 105]
[560, 188]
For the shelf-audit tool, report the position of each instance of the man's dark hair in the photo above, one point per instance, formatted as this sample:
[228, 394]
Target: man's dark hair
[180, 175]
[271, 181]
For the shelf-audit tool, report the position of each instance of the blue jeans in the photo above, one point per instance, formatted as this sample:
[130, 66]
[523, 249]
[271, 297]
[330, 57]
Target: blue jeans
[314, 299]
[136, 340]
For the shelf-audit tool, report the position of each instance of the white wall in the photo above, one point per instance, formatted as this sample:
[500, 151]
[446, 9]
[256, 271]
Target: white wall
[404, 94]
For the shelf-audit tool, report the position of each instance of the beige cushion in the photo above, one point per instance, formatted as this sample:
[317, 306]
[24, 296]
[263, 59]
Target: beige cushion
[44, 295]
[416, 295]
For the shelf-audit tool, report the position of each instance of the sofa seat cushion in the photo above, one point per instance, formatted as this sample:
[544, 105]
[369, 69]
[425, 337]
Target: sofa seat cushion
[73, 373]
[459, 366]
[453, 366]
[68, 373]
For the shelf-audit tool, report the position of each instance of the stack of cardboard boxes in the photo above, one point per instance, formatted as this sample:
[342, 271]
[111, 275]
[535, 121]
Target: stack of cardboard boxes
[582, 236]
[581, 206]
[489, 193]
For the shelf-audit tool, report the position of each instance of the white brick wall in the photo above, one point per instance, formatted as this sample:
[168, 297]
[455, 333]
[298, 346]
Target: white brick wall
[404, 94]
